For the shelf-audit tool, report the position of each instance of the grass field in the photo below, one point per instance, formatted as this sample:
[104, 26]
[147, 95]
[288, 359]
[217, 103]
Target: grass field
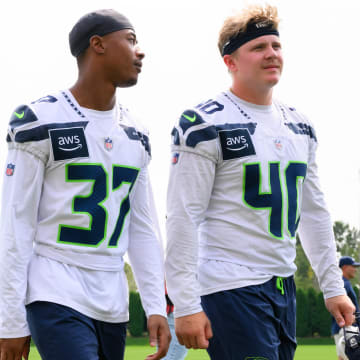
[308, 349]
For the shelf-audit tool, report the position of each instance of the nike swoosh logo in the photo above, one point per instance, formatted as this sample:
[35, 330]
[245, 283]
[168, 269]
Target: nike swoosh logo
[72, 149]
[238, 149]
[191, 119]
[19, 116]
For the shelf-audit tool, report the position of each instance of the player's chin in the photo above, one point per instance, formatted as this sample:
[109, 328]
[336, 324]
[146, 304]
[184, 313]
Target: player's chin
[273, 80]
[131, 81]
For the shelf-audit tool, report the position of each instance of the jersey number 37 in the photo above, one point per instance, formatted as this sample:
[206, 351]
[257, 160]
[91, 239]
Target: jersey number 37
[92, 204]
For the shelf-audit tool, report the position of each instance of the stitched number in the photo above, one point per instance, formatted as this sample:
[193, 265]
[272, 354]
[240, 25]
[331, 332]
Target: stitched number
[294, 173]
[210, 107]
[89, 204]
[92, 204]
[273, 200]
[258, 200]
[122, 175]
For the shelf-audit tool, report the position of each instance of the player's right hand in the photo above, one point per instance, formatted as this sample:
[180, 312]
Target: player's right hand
[342, 309]
[15, 348]
[194, 331]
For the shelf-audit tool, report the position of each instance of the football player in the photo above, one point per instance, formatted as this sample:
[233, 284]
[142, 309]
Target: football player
[76, 197]
[243, 181]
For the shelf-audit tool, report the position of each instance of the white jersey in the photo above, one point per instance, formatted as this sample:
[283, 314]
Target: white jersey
[243, 180]
[77, 196]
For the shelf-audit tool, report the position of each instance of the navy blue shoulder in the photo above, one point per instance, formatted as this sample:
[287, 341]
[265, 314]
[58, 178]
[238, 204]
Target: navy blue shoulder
[302, 129]
[197, 136]
[42, 132]
[21, 116]
[188, 119]
[133, 134]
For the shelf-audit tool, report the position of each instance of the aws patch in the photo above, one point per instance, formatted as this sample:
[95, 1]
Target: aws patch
[236, 143]
[68, 143]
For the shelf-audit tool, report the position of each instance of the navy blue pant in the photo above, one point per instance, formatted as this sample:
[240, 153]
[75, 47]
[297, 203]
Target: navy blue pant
[254, 322]
[62, 333]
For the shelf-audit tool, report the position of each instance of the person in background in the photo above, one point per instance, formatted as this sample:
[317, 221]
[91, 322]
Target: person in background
[348, 267]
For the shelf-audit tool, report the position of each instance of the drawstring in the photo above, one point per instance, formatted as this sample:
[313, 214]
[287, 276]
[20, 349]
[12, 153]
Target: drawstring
[280, 284]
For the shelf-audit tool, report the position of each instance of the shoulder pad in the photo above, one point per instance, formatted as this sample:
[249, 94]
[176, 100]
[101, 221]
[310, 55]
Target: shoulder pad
[26, 125]
[133, 134]
[21, 116]
[188, 119]
[302, 129]
[297, 122]
[202, 135]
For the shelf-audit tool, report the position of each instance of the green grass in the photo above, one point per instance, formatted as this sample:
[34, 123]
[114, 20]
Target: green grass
[316, 341]
[316, 352]
[308, 349]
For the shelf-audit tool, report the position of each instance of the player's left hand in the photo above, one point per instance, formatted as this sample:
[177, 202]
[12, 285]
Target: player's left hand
[159, 335]
[342, 309]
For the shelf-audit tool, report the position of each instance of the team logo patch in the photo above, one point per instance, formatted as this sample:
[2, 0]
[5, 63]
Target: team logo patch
[68, 143]
[108, 144]
[175, 158]
[10, 168]
[236, 143]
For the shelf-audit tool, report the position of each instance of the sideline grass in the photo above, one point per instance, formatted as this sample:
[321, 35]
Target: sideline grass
[308, 349]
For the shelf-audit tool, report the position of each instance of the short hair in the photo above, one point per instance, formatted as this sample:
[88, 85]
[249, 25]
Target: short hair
[236, 24]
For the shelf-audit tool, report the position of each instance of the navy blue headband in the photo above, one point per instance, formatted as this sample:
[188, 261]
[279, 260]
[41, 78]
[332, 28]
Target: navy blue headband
[253, 31]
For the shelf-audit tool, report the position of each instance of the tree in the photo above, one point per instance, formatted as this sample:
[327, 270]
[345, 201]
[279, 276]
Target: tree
[130, 278]
[302, 314]
[304, 276]
[136, 314]
[347, 243]
[324, 317]
[347, 239]
[313, 311]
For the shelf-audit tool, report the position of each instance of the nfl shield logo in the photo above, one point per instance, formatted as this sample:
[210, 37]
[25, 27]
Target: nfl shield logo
[108, 144]
[10, 169]
[175, 158]
[278, 144]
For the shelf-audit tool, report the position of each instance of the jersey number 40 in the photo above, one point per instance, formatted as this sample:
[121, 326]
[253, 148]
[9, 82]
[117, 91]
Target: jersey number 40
[294, 175]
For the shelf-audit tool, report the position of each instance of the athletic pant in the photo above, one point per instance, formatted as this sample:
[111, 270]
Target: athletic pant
[254, 322]
[62, 333]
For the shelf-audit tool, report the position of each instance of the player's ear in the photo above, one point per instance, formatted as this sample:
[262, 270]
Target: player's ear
[97, 44]
[230, 62]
